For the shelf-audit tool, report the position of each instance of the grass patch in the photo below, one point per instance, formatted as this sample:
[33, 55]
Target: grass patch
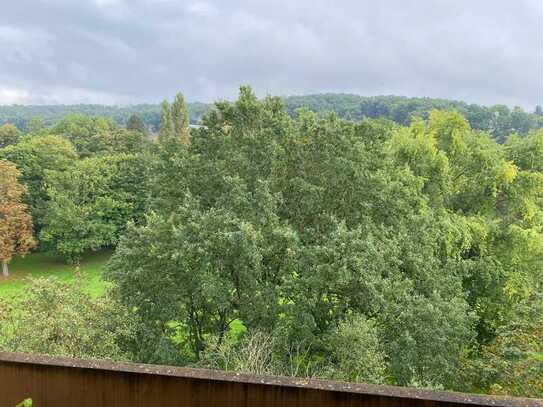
[38, 265]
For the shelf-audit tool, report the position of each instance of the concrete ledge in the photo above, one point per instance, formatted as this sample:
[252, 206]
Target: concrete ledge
[84, 382]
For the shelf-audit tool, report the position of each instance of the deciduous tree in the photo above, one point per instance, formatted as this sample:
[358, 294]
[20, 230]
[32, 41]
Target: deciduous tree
[174, 121]
[180, 119]
[35, 158]
[9, 134]
[136, 123]
[166, 123]
[90, 205]
[15, 220]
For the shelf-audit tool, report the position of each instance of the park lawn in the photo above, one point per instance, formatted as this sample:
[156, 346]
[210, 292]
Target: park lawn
[38, 265]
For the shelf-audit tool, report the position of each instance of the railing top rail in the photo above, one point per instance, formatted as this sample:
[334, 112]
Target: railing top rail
[222, 376]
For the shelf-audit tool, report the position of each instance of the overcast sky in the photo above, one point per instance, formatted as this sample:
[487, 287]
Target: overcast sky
[131, 51]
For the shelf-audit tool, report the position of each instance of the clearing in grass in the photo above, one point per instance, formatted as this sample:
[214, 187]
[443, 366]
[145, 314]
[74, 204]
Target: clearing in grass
[38, 265]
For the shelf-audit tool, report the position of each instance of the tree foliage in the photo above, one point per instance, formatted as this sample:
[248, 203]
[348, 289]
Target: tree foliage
[91, 136]
[174, 122]
[90, 205]
[135, 123]
[286, 241]
[294, 225]
[9, 134]
[356, 352]
[512, 363]
[499, 120]
[23, 116]
[35, 158]
[88, 135]
[16, 236]
[60, 319]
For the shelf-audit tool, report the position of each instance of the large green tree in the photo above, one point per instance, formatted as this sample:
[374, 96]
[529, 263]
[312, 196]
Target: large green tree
[16, 234]
[180, 119]
[36, 157]
[89, 135]
[174, 122]
[291, 226]
[90, 205]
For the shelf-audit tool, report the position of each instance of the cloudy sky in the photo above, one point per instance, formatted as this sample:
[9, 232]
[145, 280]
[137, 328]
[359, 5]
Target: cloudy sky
[131, 51]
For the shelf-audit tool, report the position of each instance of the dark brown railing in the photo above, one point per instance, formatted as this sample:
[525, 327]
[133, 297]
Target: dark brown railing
[59, 382]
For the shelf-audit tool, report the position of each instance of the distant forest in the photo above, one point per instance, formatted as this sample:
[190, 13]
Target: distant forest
[499, 120]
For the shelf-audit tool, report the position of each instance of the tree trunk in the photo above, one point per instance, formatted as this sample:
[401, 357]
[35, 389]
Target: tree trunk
[78, 273]
[5, 269]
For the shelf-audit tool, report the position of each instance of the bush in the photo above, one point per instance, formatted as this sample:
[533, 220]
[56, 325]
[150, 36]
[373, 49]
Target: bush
[356, 355]
[60, 319]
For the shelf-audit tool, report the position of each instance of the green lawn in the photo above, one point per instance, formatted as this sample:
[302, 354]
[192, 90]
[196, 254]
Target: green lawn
[47, 264]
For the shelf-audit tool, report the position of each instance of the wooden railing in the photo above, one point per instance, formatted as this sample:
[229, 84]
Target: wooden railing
[60, 382]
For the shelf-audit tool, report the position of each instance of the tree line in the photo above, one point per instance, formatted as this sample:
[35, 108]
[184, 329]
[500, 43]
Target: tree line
[299, 244]
[27, 117]
[499, 120]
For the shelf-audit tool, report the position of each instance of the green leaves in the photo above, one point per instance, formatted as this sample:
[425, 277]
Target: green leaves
[174, 122]
[89, 135]
[356, 352]
[291, 227]
[35, 157]
[210, 264]
[413, 245]
[9, 134]
[91, 204]
[61, 319]
[512, 362]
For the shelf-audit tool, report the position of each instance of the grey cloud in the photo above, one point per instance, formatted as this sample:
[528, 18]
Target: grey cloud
[129, 51]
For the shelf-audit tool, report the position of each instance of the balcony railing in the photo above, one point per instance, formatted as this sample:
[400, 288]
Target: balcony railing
[60, 382]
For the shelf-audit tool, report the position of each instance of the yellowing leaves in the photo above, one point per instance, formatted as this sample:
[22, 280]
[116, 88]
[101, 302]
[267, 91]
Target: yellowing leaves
[510, 172]
[15, 220]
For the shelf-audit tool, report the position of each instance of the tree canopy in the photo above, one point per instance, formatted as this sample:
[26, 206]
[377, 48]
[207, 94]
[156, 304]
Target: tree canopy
[16, 235]
[9, 134]
[420, 239]
[36, 158]
[388, 242]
